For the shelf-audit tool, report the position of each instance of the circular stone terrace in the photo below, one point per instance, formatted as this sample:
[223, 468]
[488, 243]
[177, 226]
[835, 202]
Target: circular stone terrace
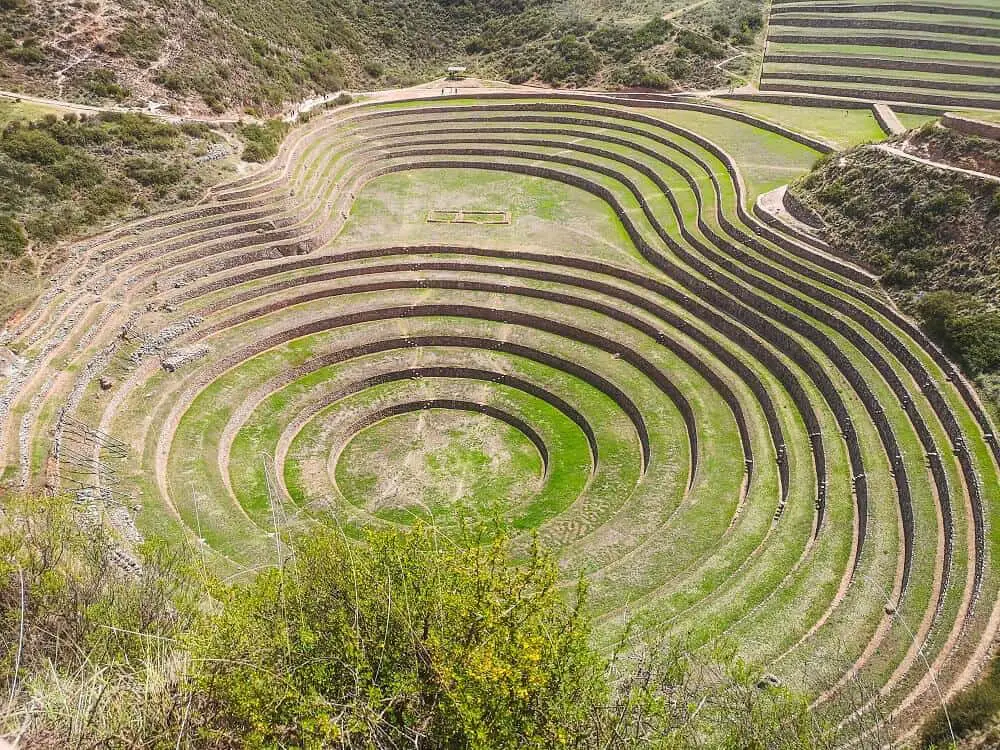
[729, 431]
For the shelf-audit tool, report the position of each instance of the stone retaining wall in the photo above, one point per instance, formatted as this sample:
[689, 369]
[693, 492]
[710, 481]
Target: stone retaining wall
[884, 24]
[972, 127]
[942, 100]
[781, 7]
[886, 63]
[887, 81]
[871, 40]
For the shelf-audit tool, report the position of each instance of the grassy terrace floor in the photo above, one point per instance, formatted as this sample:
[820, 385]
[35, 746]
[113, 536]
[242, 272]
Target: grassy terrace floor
[730, 435]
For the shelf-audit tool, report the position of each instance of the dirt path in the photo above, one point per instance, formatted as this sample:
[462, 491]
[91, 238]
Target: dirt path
[939, 165]
[681, 11]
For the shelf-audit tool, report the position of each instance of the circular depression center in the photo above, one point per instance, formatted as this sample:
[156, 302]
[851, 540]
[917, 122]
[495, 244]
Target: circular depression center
[440, 464]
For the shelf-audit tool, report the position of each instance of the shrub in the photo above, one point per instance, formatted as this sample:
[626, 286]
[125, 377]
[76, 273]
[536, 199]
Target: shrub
[326, 71]
[444, 643]
[86, 631]
[752, 22]
[654, 32]
[975, 337]
[903, 234]
[151, 172]
[573, 60]
[637, 75]
[106, 198]
[29, 53]
[141, 42]
[32, 145]
[77, 169]
[408, 641]
[140, 131]
[965, 327]
[720, 31]
[263, 141]
[447, 645]
[699, 45]
[374, 69]
[103, 84]
[12, 239]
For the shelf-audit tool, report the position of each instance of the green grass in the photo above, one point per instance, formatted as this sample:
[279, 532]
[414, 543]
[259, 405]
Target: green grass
[707, 561]
[841, 127]
[11, 110]
[915, 121]
[393, 210]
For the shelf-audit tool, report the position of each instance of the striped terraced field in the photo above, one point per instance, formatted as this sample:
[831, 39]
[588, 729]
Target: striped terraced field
[729, 430]
[932, 52]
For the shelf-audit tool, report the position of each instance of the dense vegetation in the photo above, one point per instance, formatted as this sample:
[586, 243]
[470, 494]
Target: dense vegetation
[254, 55]
[934, 237]
[414, 641]
[58, 175]
[263, 140]
[62, 176]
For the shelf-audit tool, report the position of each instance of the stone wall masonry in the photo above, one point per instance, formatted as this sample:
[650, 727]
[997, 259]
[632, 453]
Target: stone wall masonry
[613, 392]
[801, 212]
[838, 357]
[729, 359]
[787, 20]
[970, 126]
[782, 7]
[559, 103]
[776, 223]
[626, 354]
[887, 119]
[717, 383]
[875, 40]
[817, 372]
[941, 100]
[874, 80]
[725, 302]
[940, 407]
[886, 63]
[817, 258]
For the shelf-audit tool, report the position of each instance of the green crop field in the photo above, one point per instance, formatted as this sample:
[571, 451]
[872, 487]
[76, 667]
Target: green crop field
[938, 54]
[726, 430]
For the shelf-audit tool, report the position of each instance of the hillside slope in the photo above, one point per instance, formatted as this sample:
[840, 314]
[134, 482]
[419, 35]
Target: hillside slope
[233, 55]
[933, 235]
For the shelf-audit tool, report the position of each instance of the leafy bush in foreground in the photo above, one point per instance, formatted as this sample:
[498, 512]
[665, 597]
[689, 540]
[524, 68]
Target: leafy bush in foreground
[409, 639]
[415, 641]
[89, 655]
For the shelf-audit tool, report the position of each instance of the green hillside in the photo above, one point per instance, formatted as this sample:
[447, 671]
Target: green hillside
[227, 55]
